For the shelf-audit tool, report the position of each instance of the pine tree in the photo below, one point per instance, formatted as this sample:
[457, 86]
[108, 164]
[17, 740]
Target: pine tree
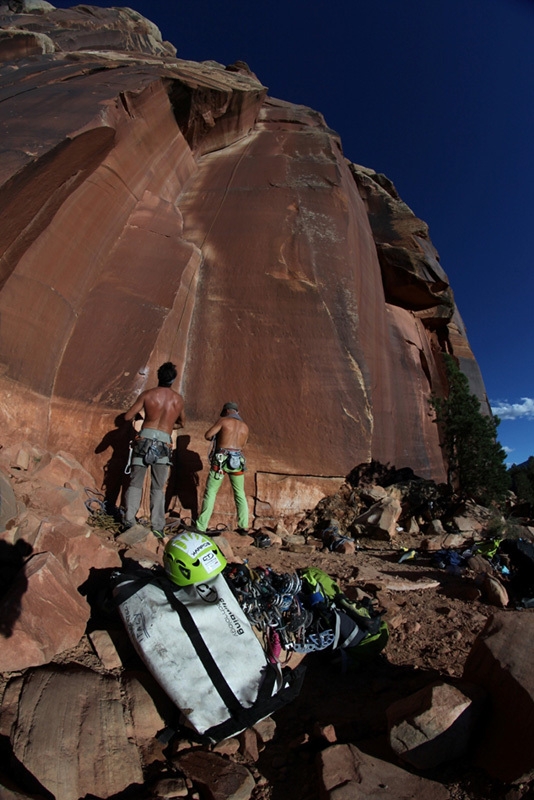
[469, 440]
[522, 476]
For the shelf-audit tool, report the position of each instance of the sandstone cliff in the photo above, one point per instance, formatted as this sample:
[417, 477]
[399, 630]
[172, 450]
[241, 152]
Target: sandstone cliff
[157, 209]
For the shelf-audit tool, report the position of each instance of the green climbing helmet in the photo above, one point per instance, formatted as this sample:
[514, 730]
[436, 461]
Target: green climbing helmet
[192, 558]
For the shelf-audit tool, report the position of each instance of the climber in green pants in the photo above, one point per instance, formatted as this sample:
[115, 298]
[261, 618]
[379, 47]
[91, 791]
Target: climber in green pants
[229, 436]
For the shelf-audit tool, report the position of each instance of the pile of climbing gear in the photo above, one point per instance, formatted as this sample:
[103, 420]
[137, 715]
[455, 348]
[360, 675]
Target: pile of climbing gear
[194, 637]
[356, 628]
[271, 604]
[101, 514]
[510, 559]
[456, 560]
[305, 612]
[333, 539]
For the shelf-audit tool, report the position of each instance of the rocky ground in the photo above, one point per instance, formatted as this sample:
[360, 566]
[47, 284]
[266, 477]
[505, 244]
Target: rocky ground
[434, 614]
[431, 632]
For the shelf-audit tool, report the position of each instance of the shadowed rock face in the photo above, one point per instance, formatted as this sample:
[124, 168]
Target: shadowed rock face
[156, 209]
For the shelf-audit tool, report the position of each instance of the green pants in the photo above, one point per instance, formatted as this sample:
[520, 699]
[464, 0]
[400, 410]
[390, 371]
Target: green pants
[213, 485]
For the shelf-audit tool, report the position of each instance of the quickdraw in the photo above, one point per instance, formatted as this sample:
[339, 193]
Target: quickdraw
[292, 618]
[271, 603]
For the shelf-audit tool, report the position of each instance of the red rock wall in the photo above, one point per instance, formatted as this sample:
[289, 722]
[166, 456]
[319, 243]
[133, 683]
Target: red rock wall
[155, 209]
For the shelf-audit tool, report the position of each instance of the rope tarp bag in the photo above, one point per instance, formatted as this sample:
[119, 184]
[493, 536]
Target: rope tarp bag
[200, 647]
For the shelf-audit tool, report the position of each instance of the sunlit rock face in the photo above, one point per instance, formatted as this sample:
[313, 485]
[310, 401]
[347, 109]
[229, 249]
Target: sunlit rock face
[157, 209]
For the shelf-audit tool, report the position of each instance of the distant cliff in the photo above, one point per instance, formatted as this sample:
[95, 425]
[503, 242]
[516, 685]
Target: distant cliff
[158, 209]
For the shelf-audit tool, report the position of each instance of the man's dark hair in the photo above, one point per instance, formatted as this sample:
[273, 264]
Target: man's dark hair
[167, 374]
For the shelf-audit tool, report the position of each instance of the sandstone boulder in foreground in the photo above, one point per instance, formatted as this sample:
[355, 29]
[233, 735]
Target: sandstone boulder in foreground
[70, 732]
[348, 774]
[41, 615]
[501, 661]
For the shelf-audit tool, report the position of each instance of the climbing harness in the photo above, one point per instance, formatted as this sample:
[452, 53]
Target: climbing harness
[151, 449]
[225, 459]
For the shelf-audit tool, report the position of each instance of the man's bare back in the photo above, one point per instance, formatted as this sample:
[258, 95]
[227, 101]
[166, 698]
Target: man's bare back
[163, 408]
[231, 433]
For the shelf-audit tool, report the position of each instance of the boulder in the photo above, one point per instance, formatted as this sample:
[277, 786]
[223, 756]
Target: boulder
[60, 468]
[71, 733]
[381, 519]
[145, 699]
[8, 791]
[27, 524]
[443, 541]
[217, 777]
[373, 494]
[467, 524]
[67, 501]
[78, 547]
[411, 526]
[105, 649]
[494, 592]
[435, 528]
[248, 745]
[171, 788]
[479, 565]
[8, 502]
[434, 725]
[279, 496]
[265, 730]
[228, 747]
[346, 773]
[41, 615]
[134, 535]
[20, 456]
[501, 662]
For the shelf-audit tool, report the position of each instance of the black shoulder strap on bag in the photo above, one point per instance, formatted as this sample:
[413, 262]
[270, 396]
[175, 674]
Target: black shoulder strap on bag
[202, 651]
[266, 702]
[241, 717]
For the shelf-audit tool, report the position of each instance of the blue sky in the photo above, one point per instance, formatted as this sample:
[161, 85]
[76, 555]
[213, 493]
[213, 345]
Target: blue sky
[438, 96]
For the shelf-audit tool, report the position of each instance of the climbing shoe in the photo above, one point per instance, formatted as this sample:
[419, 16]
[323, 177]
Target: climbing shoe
[242, 531]
[159, 534]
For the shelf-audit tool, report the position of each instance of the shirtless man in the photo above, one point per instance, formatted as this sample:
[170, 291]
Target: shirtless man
[229, 435]
[163, 410]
